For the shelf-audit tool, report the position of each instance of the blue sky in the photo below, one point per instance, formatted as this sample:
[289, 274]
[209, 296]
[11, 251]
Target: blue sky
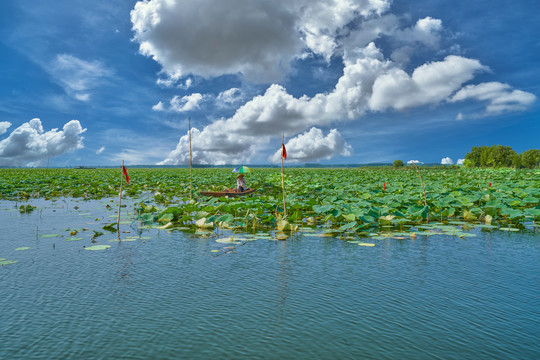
[346, 81]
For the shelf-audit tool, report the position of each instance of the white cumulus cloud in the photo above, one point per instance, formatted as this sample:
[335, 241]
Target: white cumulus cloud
[159, 106]
[259, 40]
[414, 161]
[255, 38]
[447, 161]
[181, 104]
[100, 150]
[276, 111]
[314, 145]
[429, 84]
[218, 150]
[460, 161]
[4, 125]
[186, 103]
[30, 145]
[229, 97]
[499, 97]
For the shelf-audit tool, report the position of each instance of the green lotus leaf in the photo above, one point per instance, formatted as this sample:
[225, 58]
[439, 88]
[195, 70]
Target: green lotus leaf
[73, 238]
[97, 247]
[229, 240]
[227, 218]
[123, 240]
[512, 213]
[462, 235]
[7, 262]
[48, 235]
[508, 229]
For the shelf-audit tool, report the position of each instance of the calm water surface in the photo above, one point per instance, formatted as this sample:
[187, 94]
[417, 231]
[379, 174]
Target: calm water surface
[166, 295]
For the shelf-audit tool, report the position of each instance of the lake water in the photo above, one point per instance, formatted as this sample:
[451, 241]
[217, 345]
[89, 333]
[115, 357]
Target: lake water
[166, 295]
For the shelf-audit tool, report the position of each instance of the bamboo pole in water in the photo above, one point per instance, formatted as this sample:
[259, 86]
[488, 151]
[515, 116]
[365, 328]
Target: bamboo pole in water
[282, 176]
[120, 199]
[190, 163]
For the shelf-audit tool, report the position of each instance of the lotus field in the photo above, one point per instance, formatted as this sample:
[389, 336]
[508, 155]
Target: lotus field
[341, 202]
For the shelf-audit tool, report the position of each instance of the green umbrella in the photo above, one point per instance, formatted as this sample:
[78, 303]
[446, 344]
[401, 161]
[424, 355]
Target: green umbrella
[241, 169]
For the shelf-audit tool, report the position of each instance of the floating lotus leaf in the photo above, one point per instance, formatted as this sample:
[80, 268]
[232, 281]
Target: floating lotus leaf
[22, 248]
[97, 247]
[229, 240]
[482, 226]
[426, 233]
[7, 262]
[400, 234]
[324, 234]
[48, 235]
[73, 238]
[262, 236]
[463, 235]
[508, 229]
[365, 244]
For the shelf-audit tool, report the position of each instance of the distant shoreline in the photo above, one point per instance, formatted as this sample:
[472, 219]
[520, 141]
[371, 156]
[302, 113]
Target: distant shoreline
[198, 166]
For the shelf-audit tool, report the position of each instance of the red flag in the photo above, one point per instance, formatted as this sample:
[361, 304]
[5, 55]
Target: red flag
[124, 170]
[384, 186]
[283, 152]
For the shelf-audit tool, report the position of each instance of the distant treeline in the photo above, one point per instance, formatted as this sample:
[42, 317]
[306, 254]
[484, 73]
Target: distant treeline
[497, 156]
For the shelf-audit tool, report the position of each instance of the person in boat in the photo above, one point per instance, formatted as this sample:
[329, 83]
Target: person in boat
[240, 183]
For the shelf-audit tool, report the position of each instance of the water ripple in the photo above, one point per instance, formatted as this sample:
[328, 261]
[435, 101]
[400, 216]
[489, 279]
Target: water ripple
[309, 297]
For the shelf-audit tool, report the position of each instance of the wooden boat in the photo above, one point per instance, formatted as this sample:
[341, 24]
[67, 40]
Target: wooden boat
[228, 192]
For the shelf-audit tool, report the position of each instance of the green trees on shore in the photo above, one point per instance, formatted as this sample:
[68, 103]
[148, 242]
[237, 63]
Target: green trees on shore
[497, 156]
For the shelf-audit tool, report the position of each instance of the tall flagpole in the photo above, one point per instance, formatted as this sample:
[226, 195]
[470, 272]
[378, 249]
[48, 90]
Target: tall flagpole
[190, 163]
[282, 177]
[120, 199]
